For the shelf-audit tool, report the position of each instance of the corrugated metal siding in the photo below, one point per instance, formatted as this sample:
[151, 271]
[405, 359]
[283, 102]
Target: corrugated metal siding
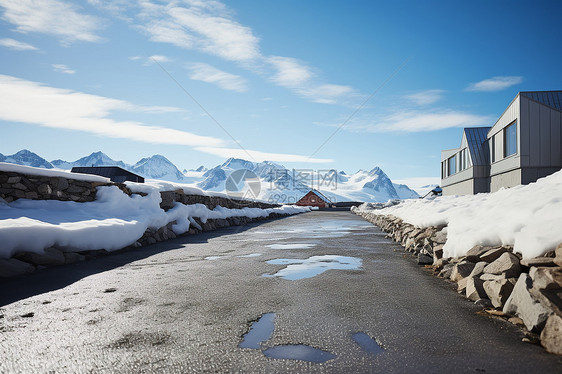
[477, 146]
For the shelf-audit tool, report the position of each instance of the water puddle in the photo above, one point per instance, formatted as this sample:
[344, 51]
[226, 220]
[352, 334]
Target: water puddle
[313, 266]
[291, 246]
[260, 331]
[298, 352]
[250, 255]
[367, 343]
[212, 258]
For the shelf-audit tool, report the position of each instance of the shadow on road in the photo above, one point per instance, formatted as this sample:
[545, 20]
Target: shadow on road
[50, 279]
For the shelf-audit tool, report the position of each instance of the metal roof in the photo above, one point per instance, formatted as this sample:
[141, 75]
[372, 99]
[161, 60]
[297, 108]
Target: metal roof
[552, 99]
[115, 173]
[477, 146]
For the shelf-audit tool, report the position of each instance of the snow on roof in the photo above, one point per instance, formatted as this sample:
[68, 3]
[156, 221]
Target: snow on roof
[29, 170]
[552, 99]
[476, 139]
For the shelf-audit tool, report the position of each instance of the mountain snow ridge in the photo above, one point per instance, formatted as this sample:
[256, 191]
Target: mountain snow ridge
[278, 184]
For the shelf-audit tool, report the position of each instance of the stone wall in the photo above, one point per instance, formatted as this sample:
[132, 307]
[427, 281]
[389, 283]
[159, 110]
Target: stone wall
[15, 186]
[524, 292]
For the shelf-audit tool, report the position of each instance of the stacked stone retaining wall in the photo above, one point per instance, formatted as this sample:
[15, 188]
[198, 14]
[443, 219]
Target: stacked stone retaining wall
[524, 292]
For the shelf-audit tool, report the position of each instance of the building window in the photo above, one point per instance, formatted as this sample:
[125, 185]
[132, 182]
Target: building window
[452, 163]
[463, 159]
[510, 140]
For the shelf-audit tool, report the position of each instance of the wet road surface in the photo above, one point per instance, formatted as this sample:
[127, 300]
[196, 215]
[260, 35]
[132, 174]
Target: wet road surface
[335, 296]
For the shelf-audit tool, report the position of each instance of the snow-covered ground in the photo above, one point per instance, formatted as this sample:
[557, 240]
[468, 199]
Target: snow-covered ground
[115, 220]
[528, 217]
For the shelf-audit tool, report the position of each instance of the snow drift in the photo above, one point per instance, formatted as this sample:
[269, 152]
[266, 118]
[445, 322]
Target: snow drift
[527, 217]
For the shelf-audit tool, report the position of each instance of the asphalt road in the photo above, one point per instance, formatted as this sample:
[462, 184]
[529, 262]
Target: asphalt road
[185, 306]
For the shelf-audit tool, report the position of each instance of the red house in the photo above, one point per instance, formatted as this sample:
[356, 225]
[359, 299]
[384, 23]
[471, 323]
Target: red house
[314, 198]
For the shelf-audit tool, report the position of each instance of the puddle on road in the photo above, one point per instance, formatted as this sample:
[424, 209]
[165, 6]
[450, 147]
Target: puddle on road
[250, 255]
[367, 343]
[298, 352]
[313, 266]
[260, 331]
[292, 246]
[212, 258]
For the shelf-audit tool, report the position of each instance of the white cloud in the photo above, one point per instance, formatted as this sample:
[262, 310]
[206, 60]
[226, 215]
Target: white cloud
[205, 26]
[51, 17]
[418, 121]
[61, 68]
[299, 78]
[209, 26]
[261, 156]
[210, 74]
[17, 45]
[495, 83]
[290, 72]
[426, 97]
[30, 102]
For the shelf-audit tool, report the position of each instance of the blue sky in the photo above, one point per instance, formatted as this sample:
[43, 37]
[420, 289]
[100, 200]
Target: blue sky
[200, 81]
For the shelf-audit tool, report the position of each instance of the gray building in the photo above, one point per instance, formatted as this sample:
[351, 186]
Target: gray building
[522, 146]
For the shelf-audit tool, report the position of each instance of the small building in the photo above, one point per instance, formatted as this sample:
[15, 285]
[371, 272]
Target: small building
[314, 198]
[115, 173]
[524, 144]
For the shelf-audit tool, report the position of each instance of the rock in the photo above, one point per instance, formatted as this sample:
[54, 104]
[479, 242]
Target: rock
[439, 263]
[72, 257]
[507, 263]
[446, 271]
[44, 189]
[50, 257]
[13, 180]
[538, 261]
[521, 304]
[13, 267]
[20, 186]
[487, 277]
[440, 237]
[493, 254]
[475, 289]
[551, 335]
[461, 285]
[424, 259]
[31, 195]
[478, 269]
[473, 254]
[547, 287]
[168, 200]
[461, 270]
[498, 291]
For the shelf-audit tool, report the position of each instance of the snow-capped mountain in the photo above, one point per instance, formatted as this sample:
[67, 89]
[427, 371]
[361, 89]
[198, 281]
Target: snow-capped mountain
[27, 158]
[157, 167]
[278, 184]
[95, 159]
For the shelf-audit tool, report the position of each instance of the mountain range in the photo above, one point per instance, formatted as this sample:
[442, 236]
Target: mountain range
[276, 183]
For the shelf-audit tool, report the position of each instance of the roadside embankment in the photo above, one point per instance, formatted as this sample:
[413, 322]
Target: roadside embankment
[50, 217]
[526, 292]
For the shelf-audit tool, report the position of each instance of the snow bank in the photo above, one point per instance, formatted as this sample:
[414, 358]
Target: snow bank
[115, 220]
[29, 170]
[527, 217]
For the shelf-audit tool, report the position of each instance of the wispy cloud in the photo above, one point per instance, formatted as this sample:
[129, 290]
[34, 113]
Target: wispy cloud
[61, 68]
[418, 121]
[261, 156]
[206, 26]
[299, 78]
[71, 110]
[495, 83]
[17, 45]
[211, 28]
[61, 19]
[210, 74]
[425, 97]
